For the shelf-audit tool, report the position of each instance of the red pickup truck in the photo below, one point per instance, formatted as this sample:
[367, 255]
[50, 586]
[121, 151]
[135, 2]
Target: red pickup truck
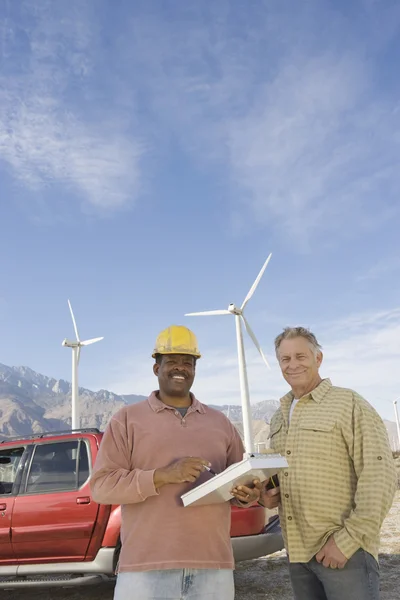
[52, 533]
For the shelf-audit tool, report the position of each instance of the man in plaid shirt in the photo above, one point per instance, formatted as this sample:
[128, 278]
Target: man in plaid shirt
[340, 482]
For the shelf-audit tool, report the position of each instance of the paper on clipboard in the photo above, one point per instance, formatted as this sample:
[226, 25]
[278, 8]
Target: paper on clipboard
[218, 488]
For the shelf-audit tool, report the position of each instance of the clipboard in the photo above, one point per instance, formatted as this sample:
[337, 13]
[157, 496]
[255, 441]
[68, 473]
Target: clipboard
[217, 489]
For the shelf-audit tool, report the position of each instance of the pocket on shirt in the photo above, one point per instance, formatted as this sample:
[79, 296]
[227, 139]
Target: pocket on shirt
[276, 437]
[316, 439]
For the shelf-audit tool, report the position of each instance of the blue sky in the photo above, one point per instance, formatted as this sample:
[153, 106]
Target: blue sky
[153, 153]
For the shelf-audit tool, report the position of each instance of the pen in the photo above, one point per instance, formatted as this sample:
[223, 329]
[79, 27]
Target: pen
[210, 470]
[273, 482]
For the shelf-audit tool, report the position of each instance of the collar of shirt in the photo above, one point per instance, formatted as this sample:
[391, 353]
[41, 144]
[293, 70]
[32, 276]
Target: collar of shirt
[157, 405]
[318, 394]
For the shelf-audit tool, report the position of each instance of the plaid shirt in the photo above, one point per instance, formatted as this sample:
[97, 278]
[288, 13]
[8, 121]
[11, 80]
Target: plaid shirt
[341, 478]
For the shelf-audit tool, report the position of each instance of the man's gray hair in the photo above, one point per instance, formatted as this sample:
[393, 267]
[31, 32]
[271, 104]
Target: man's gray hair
[289, 333]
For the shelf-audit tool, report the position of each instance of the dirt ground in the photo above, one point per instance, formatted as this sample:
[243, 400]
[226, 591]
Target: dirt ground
[262, 579]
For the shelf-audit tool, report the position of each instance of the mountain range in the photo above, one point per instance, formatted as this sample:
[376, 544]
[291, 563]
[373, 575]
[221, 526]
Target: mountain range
[33, 403]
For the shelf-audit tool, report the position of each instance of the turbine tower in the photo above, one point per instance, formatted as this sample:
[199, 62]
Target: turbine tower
[396, 414]
[76, 353]
[244, 384]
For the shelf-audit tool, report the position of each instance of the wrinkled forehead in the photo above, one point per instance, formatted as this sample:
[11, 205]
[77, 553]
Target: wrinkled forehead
[294, 346]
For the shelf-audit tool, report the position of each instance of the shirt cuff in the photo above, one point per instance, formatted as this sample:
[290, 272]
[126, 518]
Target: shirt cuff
[145, 484]
[346, 544]
[241, 504]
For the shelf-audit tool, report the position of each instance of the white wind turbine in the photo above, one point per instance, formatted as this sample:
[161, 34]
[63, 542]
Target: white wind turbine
[396, 415]
[76, 353]
[244, 385]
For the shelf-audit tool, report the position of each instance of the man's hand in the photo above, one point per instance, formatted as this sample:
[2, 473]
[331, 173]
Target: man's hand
[330, 555]
[183, 470]
[271, 498]
[248, 494]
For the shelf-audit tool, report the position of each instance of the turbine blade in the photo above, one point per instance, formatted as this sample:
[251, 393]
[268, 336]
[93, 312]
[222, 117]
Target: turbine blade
[92, 341]
[257, 281]
[78, 355]
[207, 313]
[255, 341]
[73, 321]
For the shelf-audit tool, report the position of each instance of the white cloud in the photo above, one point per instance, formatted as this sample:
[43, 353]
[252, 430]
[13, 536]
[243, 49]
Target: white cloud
[303, 153]
[50, 135]
[361, 352]
[293, 119]
[43, 148]
[365, 354]
[381, 269]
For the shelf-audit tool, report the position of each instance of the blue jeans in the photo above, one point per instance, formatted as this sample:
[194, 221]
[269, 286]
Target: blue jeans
[359, 580]
[174, 584]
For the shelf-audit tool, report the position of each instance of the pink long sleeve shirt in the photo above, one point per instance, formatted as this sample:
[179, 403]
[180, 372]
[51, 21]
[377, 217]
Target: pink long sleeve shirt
[157, 531]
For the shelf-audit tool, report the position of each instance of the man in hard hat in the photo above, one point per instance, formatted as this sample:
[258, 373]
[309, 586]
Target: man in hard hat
[150, 454]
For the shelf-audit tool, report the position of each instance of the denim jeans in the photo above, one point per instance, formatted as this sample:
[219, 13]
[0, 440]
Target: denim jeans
[182, 584]
[359, 580]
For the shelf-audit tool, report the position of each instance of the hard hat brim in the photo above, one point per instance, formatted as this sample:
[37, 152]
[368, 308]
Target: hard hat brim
[164, 352]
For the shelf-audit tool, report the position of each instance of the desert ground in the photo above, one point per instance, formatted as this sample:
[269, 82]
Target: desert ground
[262, 579]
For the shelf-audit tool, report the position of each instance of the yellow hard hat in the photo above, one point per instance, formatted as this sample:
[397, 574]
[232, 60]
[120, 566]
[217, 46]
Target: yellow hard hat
[176, 339]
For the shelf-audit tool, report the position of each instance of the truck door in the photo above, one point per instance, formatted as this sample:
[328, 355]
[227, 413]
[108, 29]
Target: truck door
[54, 515]
[10, 459]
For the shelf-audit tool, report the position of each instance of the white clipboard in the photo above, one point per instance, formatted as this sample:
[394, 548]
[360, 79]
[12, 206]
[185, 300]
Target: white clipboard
[217, 489]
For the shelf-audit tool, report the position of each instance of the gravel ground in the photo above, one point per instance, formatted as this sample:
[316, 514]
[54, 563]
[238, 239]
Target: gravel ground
[262, 579]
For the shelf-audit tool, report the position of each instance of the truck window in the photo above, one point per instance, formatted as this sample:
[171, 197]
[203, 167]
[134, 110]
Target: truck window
[9, 461]
[59, 466]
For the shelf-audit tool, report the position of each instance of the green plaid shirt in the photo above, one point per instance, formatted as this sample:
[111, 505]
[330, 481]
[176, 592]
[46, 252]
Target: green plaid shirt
[341, 478]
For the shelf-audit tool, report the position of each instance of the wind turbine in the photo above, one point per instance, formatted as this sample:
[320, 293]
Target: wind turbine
[76, 354]
[397, 422]
[244, 384]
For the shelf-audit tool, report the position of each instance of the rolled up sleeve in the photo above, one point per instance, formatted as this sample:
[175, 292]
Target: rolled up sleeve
[376, 482]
